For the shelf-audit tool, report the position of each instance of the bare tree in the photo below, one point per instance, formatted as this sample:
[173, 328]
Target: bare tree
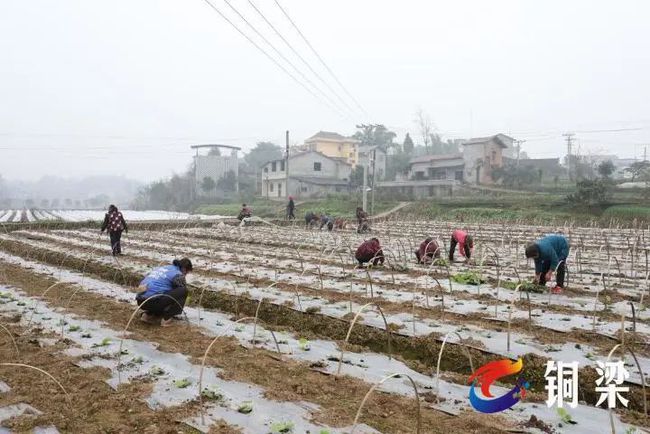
[425, 125]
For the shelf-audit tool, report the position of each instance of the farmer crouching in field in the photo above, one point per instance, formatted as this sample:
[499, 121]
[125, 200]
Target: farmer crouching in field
[167, 284]
[550, 254]
[464, 242]
[370, 251]
[311, 219]
[115, 223]
[328, 221]
[245, 212]
[428, 250]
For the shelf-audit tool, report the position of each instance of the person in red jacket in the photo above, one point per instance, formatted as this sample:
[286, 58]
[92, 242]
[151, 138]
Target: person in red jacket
[465, 244]
[370, 250]
[428, 250]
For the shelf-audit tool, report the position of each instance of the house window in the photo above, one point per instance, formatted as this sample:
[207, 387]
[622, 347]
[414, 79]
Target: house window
[282, 166]
[271, 186]
[419, 175]
[266, 170]
[494, 156]
[340, 148]
[317, 166]
[279, 189]
[459, 175]
[303, 189]
[273, 166]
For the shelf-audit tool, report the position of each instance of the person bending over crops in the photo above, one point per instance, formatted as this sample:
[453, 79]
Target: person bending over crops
[311, 218]
[363, 224]
[428, 250]
[245, 212]
[115, 223]
[370, 251]
[167, 284]
[340, 223]
[328, 221]
[464, 242]
[550, 254]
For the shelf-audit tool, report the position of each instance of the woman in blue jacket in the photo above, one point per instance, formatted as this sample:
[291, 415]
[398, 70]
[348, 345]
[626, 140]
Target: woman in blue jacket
[170, 281]
[550, 253]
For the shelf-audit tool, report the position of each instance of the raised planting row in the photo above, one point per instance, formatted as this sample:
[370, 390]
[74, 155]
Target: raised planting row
[296, 394]
[404, 317]
[273, 313]
[465, 299]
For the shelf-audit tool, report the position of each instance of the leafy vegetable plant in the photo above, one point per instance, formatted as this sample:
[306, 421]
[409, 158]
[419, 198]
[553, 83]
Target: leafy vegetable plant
[245, 407]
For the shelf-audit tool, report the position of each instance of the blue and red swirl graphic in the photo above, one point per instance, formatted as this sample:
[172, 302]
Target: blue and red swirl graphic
[488, 374]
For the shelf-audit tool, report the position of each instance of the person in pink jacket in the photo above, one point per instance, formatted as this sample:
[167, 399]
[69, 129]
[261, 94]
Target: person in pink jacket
[465, 244]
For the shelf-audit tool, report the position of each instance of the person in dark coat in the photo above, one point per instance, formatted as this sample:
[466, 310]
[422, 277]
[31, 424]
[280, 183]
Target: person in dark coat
[550, 254]
[115, 223]
[291, 207]
[326, 220]
[362, 221]
[428, 250]
[311, 218]
[370, 250]
[167, 284]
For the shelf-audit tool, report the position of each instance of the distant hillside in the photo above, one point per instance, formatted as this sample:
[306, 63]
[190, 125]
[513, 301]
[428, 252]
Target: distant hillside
[62, 192]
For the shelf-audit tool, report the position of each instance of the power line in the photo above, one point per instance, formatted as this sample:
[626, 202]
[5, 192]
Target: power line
[282, 56]
[271, 58]
[319, 57]
[288, 44]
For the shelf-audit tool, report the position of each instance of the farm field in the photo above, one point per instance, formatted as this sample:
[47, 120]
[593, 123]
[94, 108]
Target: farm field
[298, 336]
[36, 215]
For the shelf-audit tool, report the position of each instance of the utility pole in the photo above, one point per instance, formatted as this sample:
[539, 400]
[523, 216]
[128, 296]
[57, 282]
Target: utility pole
[518, 144]
[364, 191]
[569, 144]
[372, 193]
[645, 153]
[286, 164]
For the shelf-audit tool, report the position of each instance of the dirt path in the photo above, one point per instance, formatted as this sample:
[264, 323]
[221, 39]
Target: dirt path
[391, 211]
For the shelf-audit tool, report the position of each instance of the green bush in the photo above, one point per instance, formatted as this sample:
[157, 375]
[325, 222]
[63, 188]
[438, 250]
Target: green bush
[628, 212]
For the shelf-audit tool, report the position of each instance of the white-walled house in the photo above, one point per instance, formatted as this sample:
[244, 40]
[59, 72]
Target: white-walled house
[441, 175]
[365, 159]
[311, 173]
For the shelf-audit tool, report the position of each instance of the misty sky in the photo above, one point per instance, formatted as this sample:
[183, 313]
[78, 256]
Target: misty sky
[125, 86]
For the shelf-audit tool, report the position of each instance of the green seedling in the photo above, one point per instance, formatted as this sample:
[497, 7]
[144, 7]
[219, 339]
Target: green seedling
[245, 407]
[86, 335]
[138, 360]
[282, 427]
[74, 328]
[304, 344]
[468, 278]
[183, 383]
[565, 416]
[104, 343]
[239, 329]
[156, 371]
[211, 394]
